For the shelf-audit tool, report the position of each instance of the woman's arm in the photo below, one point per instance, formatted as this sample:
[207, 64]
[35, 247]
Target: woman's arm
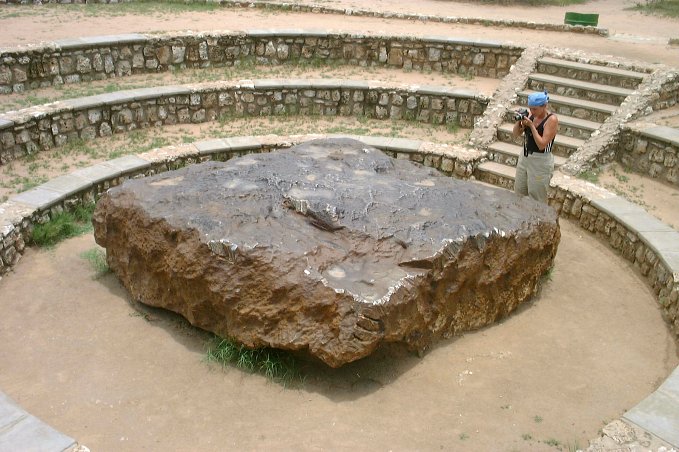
[518, 129]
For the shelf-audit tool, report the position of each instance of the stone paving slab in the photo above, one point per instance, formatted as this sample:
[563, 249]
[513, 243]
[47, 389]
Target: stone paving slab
[159, 91]
[291, 32]
[462, 41]
[662, 242]
[404, 145]
[574, 83]
[271, 83]
[644, 223]
[5, 123]
[243, 143]
[124, 38]
[355, 84]
[100, 41]
[129, 163]
[97, 173]
[663, 133]
[295, 83]
[377, 142]
[659, 412]
[616, 207]
[67, 184]
[39, 198]
[211, 146]
[455, 92]
[19, 431]
[70, 43]
[79, 103]
[592, 68]
[671, 260]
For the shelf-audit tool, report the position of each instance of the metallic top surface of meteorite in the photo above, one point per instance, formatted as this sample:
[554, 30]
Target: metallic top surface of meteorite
[329, 247]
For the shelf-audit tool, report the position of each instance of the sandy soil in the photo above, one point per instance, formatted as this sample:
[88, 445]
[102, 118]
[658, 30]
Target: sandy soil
[633, 35]
[77, 354]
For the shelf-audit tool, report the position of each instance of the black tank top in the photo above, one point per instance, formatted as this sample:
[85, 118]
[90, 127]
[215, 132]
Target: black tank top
[529, 144]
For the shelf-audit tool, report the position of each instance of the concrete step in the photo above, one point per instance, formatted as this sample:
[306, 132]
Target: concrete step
[508, 154]
[496, 174]
[577, 108]
[593, 73]
[568, 125]
[563, 145]
[611, 95]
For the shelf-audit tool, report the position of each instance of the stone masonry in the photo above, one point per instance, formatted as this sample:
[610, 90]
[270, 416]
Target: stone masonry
[41, 128]
[71, 61]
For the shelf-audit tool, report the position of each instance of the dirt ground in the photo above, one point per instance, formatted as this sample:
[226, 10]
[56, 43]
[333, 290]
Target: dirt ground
[76, 354]
[114, 376]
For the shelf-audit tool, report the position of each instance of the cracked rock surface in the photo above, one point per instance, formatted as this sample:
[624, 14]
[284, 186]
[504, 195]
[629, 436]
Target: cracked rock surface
[329, 249]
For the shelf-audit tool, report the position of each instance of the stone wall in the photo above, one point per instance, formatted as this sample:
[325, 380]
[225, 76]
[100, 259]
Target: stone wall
[71, 61]
[41, 128]
[651, 151]
[628, 229]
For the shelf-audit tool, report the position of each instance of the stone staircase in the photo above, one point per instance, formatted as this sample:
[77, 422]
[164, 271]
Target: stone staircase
[583, 95]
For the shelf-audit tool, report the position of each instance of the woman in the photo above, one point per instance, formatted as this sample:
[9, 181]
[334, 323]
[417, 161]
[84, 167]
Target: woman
[536, 165]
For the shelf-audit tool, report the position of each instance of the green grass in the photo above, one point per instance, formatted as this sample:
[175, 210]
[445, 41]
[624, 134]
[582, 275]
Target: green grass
[590, 176]
[62, 226]
[276, 365]
[97, 259]
[143, 7]
[553, 442]
[549, 274]
[666, 8]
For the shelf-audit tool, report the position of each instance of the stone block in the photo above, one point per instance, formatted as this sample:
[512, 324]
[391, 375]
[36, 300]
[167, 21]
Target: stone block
[258, 282]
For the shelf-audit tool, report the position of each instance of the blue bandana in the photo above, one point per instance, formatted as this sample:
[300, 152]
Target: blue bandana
[538, 99]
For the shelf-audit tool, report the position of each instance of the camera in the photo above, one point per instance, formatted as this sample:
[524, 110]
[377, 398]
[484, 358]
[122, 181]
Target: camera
[520, 114]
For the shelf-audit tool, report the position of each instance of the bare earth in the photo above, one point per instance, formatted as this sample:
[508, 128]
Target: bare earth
[116, 376]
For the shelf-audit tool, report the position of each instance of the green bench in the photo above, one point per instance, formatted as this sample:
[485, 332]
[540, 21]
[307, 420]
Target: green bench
[588, 20]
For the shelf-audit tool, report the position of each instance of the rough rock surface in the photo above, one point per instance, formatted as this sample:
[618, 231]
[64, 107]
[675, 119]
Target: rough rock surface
[330, 248]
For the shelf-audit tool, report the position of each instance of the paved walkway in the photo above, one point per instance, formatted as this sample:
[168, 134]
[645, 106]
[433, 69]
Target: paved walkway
[20, 431]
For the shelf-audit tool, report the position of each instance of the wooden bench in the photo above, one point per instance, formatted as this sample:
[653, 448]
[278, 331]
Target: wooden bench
[588, 20]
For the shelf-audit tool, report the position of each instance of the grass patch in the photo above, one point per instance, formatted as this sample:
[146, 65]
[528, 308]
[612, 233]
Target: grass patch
[276, 365]
[144, 7]
[553, 442]
[97, 259]
[62, 226]
[590, 176]
[666, 8]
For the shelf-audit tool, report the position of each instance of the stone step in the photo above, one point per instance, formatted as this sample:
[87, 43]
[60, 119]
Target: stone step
[594, 73]
[577, 108]
[568, 125]
[563, 145]
[496, 174]
[611, 95]
[508, 154]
